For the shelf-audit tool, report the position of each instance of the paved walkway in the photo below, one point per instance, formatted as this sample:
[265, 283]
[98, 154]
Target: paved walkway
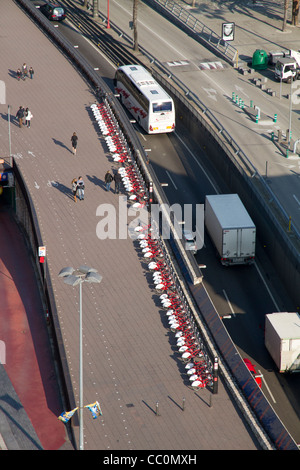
[130, 359]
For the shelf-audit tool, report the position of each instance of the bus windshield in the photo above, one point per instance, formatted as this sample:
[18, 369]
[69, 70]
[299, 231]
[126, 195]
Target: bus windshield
[162, 107]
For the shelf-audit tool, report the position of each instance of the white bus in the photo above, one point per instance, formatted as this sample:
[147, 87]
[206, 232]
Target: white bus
[146, 100]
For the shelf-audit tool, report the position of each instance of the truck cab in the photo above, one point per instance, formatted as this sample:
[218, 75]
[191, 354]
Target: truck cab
[287, 68]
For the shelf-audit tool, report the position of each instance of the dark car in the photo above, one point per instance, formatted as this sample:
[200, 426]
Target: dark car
[53, 11]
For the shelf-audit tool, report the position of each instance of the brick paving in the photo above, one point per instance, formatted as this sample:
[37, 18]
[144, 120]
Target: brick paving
[130, 358]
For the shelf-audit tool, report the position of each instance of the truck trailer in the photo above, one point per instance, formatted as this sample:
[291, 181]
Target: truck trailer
[282, 340]
[231, 229]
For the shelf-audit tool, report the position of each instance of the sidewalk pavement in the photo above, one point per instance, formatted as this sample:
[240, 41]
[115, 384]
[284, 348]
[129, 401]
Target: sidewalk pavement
[130, 359]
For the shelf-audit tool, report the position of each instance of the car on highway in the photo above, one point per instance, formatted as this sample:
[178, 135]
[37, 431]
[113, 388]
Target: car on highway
[190, 243]
[53, 11]
[252, 369]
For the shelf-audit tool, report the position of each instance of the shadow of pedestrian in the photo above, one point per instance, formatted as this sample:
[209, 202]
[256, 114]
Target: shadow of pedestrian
[13, 119]
[12, 73]
[96, 181]
[61, 144]
[64, 189]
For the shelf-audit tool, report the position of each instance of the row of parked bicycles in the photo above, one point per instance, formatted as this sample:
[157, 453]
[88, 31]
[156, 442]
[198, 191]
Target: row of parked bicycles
[180, 319]
[120, 153]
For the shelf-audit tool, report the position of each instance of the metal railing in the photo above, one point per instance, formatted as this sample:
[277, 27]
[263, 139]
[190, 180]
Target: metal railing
[197, 29]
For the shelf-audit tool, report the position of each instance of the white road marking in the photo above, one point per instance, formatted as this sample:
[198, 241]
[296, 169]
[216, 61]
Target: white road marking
[229, 303]
[171, 179]
[198, 163]
[266, 286]
[296, 199]
[266, 385]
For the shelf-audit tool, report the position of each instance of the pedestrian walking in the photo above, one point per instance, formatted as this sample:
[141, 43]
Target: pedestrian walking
[31, 72]
[117, 179]
[80, 188]
[20, 115]
[74, 140]
[24, 71]
[28, 117]
[19, 74]
[74, 188]
[108, 179]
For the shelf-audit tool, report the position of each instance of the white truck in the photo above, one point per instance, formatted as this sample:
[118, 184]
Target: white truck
[287, 68]
[282, 340]
[230, 228]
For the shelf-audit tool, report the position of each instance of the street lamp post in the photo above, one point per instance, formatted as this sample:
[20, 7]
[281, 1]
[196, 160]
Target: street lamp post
[82, 274]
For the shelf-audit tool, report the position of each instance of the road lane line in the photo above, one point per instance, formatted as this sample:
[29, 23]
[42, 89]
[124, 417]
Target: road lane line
[171, 179]
[228, 301]
[198, 163]
[266, 286]
[266, 385]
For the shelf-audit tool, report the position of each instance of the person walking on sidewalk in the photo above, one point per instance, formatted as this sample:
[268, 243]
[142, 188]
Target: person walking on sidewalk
[20, 116]
[74, 188]
[117, 179]
[108, 179]
[24, 71]
[80, 188]
[28, 117]
[31, 72]
[74, 140]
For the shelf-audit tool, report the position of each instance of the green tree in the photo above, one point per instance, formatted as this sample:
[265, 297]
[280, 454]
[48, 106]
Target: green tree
[295, 12]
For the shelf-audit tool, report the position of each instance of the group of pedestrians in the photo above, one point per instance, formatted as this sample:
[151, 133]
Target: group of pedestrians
[78, 188]
[24, 116]
[109, 178]
[24, 72]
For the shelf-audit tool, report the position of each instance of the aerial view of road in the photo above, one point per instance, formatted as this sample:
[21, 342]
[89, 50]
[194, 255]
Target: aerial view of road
[131, 366]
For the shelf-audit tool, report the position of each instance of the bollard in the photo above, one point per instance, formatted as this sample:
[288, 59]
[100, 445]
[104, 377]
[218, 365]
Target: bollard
[236, 99]
[272, 136]
[287, 153]
[240, 102]
[290, 223]
[183, 404]
[256, 118]
[233, 96]
[251, 103]
[156, 409]
[215, 376]
[275, 118]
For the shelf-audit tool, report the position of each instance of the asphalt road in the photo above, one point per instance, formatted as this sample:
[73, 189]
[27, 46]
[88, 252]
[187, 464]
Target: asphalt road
[169, 45]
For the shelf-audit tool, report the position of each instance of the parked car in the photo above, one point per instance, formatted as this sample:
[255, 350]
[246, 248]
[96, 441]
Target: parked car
[253, 371]
[53, 11]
